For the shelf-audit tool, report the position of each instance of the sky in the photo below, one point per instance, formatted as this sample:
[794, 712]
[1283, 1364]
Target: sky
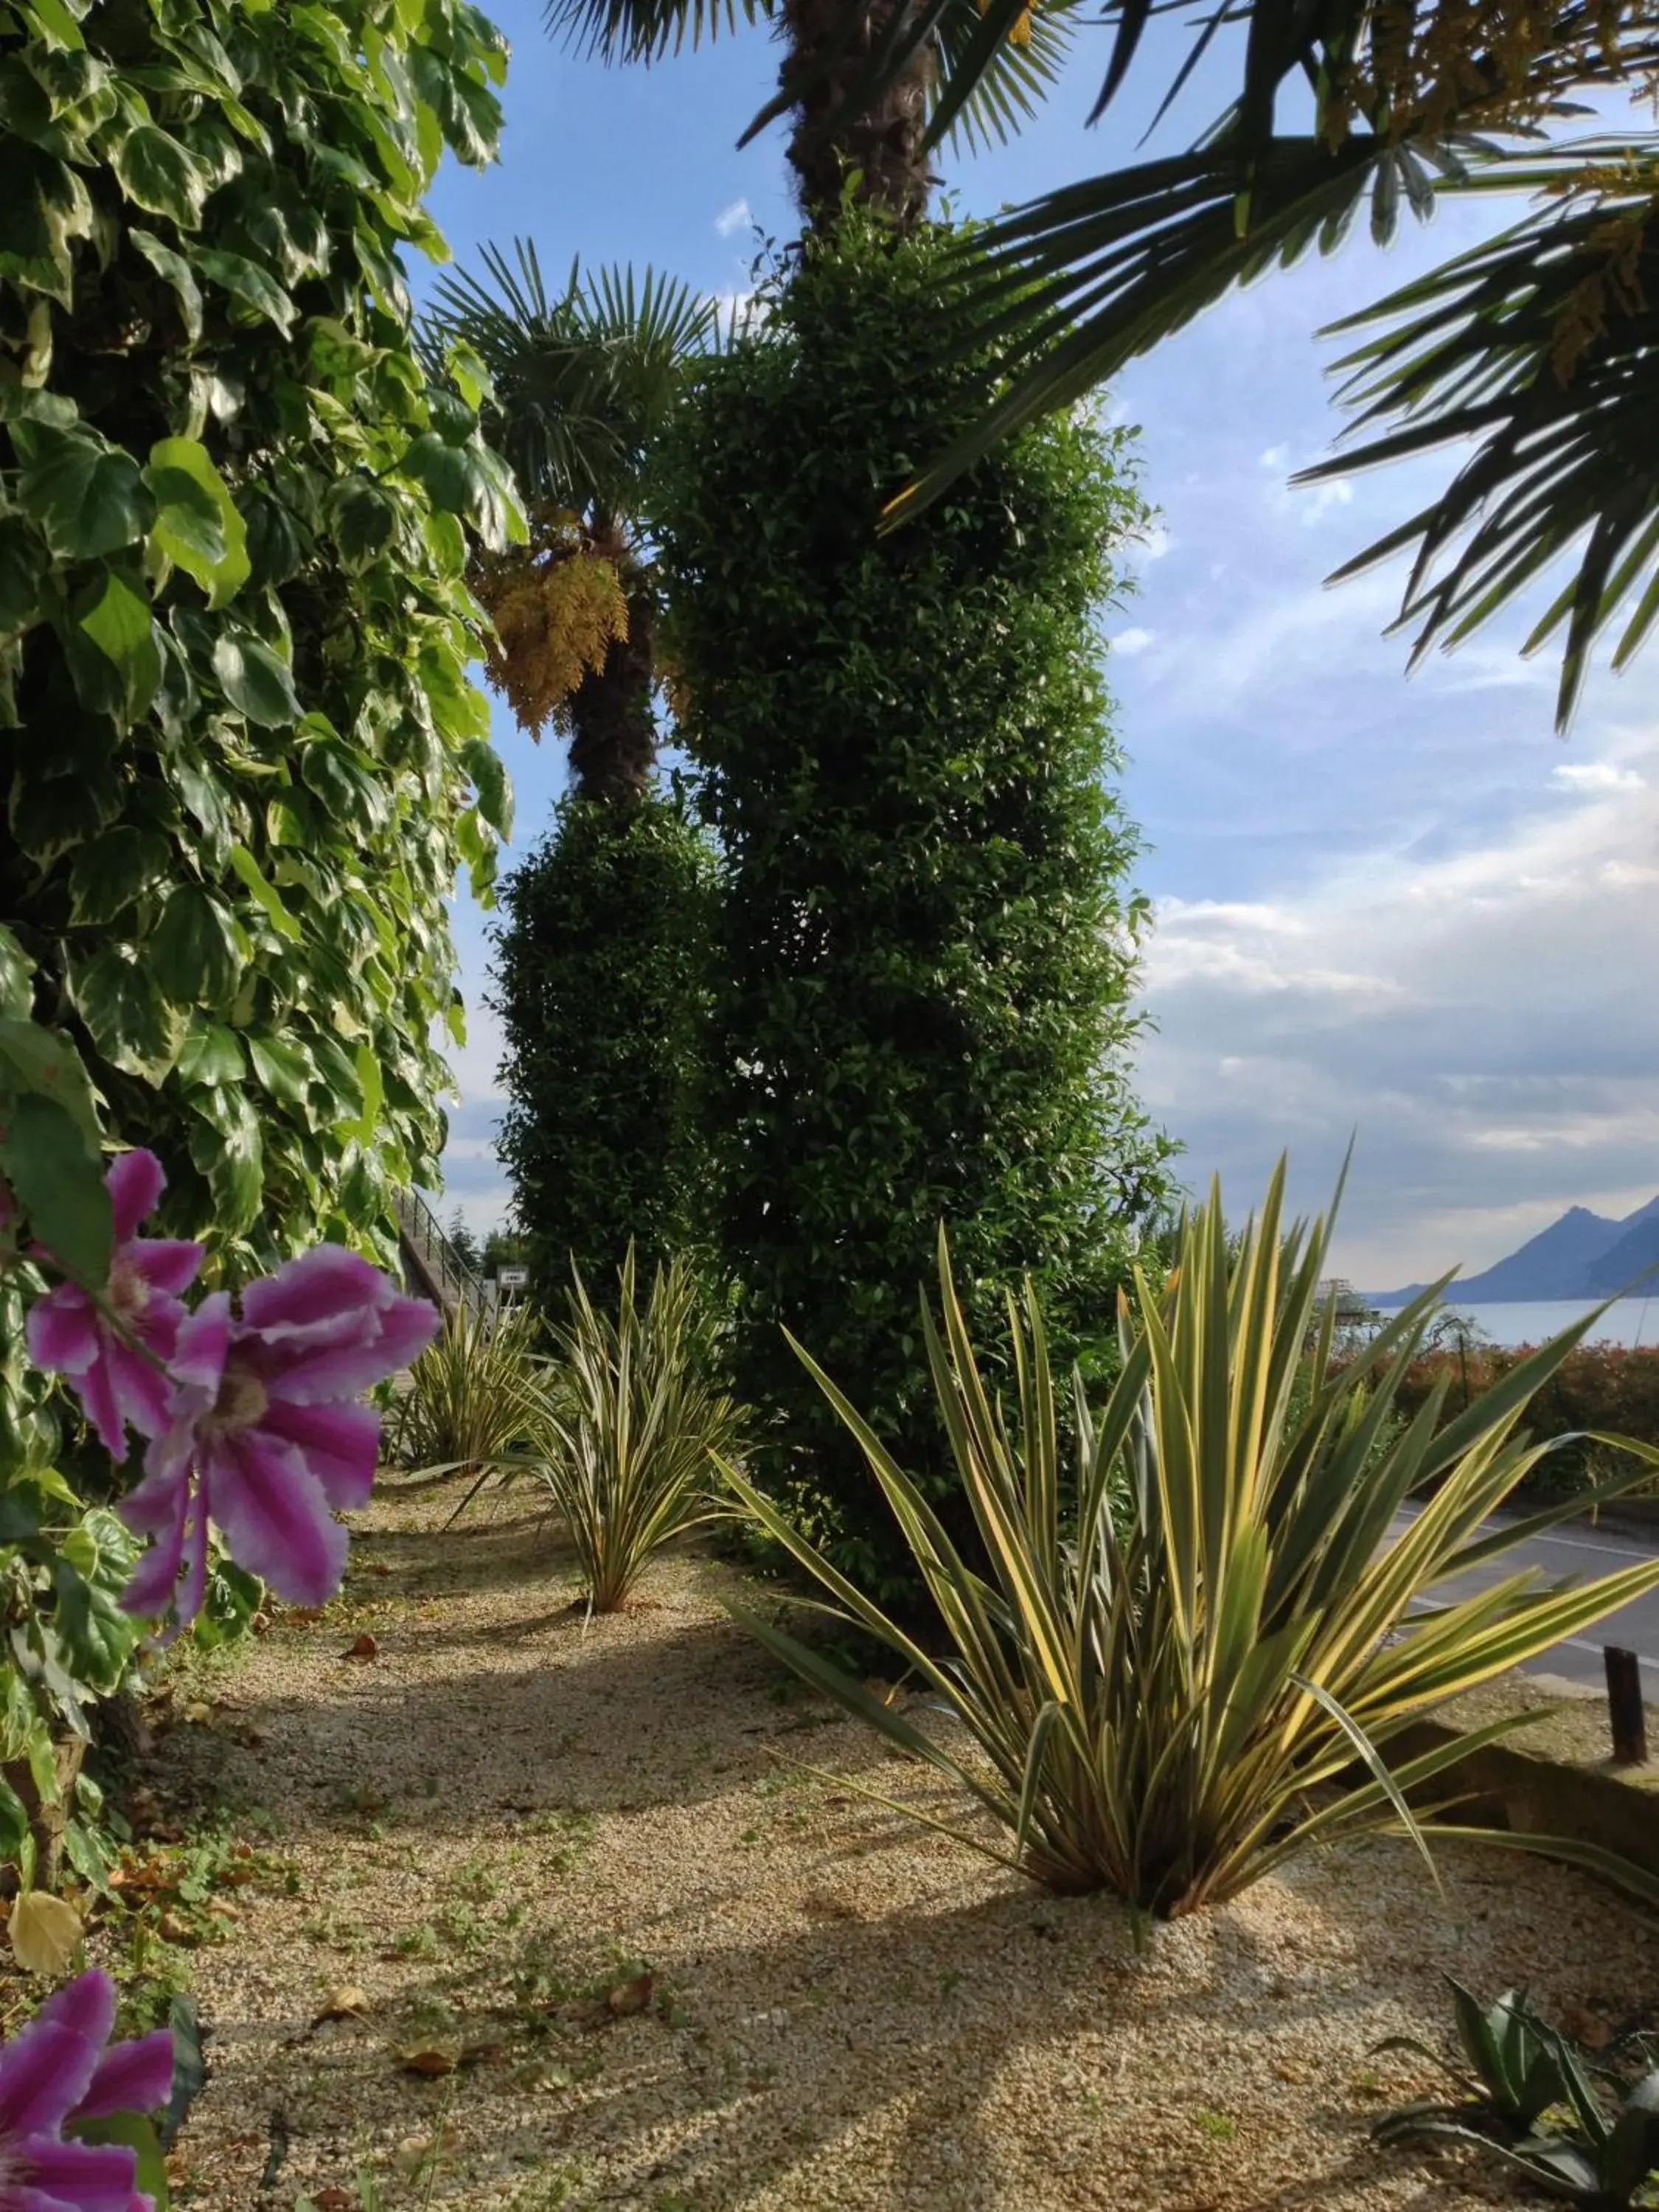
[1398, 909]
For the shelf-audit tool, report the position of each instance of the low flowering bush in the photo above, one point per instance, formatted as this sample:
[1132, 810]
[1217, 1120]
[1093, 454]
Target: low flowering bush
[1596, 1389]
[251, 1416]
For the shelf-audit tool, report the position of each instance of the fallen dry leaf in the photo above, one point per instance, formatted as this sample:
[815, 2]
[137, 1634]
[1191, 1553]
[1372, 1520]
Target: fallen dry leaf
[178, 1931]
[198, 1712]
[336, 2200]
[430, 2058]
[45, 1933]
[346, 2003]
[630, 1996]
[365, 1647]
[1587, 2028]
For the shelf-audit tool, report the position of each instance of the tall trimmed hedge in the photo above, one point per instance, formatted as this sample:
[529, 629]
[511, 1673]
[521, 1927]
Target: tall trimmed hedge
[240, 758]
[601, 983]
[927, 952]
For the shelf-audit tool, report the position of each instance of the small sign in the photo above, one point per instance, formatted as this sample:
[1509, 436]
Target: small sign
[512, 1279]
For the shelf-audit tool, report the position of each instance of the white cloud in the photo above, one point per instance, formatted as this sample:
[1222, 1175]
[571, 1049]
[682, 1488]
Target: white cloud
[1155, 544]
[1594, 777]
[1133, 640]
[1275, 458]
[734, 218]
[1480, 1015]
[1315, 501]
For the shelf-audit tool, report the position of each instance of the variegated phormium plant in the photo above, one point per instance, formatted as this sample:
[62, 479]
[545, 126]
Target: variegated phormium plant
[1191, 1670]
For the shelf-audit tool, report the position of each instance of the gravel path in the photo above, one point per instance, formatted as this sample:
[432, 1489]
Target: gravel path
[649, 1964]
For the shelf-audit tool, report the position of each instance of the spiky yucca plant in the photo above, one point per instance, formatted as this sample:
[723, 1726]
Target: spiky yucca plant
[474, 1393]
[633, 1427]
[1170, 1689]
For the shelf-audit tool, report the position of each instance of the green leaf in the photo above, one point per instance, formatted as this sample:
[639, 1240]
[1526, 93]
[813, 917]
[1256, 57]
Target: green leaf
[138, 2135]
[362, 519]
[286, 1070]
[175, 270]
[16, 978]
[22, 573]
[226, 1146]
[197, 523]
[211, 1055]
[14, 1825]
[88, 495]
[469, 481]
[120, 625]
[346, 784]
[265, 893]
[256, 288]
[35, 1057]
[256, 681]
[56, 1178]
[99, 1637]
[193, 954]
[116, 868]
[131, 1023]
[489, 779]
[158, 174]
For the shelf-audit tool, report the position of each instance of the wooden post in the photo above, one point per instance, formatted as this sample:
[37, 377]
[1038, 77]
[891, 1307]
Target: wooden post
[1630, 1728]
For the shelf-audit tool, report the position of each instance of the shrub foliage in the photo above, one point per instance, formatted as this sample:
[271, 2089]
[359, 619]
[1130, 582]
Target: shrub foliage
[923, 973]
[240, 755]
[600, 972]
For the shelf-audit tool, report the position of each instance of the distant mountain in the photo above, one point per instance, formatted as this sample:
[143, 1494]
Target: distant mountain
[1633, 1260]
[1582, 1256]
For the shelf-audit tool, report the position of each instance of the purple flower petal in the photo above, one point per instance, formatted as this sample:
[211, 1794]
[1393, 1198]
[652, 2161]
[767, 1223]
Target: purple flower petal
[99, 1402]
[157, 1502]
[320, 1285]
[135, 1184]
[340, 1444]
[44, 2073]
[132, 2077]
[86, 2006]
[198, 1358]
[150, 1589]
[356, 1360]
[166, 1263]
[83, 2177]
[275, 1518]
[140, 1391]
[62, 1331]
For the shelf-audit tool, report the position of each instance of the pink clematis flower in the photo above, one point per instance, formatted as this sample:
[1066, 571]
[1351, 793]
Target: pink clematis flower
[264, 1435]
[58, 2071]
[69, 1335]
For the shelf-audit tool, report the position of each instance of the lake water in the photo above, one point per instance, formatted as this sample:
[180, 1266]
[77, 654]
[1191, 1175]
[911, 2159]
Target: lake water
[1630, 1320]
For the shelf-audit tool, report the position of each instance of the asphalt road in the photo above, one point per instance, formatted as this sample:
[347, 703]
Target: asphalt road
[1585, 1553]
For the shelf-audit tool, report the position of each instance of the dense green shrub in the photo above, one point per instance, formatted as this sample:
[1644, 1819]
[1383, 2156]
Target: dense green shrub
[240, 755]
[601, 981]
[923, 972]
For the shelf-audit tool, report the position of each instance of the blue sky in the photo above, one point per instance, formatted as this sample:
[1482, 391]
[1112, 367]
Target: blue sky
[1402, 907]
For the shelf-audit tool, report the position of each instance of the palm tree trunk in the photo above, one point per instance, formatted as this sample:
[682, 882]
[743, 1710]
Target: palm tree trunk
[881, 147]
[613, 727]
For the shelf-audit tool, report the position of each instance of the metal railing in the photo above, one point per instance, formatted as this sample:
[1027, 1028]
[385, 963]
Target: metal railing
[430, 1260]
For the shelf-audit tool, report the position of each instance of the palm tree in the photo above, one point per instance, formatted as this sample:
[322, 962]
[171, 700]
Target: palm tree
[598, 960]
[860, 81]
[582, 383]
[1541, 348]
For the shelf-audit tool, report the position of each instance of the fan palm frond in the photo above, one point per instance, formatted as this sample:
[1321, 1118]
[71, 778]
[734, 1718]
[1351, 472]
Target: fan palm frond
[1542, 347]
[581, 377]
